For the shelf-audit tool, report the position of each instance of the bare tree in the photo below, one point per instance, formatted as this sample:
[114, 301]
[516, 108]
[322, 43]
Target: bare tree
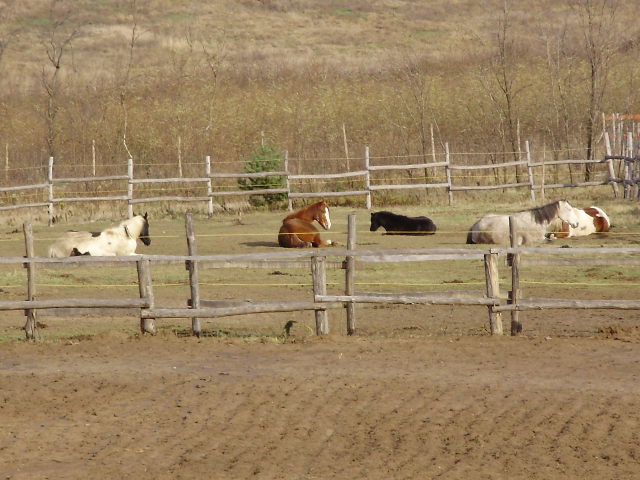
[556, 65]
[57, 40]
[213, 61]
[562, 75]
[8, 30]
[597, 20]
[124, 83]
[417, 102]
[500, 83]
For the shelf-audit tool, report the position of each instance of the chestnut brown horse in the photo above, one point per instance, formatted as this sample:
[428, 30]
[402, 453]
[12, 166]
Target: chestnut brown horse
[298, 230]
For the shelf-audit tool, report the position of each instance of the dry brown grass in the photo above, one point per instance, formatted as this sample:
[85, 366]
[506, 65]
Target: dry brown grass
[220, 74]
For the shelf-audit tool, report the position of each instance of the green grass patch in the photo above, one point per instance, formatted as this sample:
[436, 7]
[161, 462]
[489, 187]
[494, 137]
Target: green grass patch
[179, 17]
[36, 21]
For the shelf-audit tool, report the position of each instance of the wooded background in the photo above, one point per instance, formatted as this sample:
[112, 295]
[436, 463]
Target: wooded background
[161, 81]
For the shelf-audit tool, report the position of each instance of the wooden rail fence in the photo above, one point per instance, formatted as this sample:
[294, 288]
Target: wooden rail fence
[320, 301]
[370, 178]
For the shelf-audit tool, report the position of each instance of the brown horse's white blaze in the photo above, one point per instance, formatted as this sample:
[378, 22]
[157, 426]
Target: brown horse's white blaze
[298, 231]
[590, 220]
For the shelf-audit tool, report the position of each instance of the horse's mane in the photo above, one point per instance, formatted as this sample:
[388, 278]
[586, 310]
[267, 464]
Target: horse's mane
[297, 213]
[134, 226]
[546, 213]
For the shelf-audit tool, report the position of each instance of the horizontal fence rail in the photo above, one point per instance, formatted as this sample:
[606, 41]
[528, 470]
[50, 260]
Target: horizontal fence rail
[529, 173]
[317, 261]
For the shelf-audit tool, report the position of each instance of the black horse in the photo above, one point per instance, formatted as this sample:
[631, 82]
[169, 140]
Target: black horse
[396, 224]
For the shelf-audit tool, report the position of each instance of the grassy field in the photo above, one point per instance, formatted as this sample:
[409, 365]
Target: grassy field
[157, 81]
[255, 231]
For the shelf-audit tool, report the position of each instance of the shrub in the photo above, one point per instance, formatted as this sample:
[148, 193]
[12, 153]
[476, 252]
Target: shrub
[265, 159]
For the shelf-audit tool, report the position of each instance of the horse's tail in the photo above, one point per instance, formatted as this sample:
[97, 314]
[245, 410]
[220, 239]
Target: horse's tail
[470, 238]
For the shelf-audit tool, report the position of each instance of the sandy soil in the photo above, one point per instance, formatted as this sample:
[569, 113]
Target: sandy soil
[420, 392]
[364, 407]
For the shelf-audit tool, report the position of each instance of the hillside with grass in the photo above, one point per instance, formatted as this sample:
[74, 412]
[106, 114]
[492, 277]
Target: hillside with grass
[158, 80]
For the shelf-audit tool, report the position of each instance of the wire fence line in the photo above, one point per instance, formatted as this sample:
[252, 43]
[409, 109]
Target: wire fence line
[534, 175]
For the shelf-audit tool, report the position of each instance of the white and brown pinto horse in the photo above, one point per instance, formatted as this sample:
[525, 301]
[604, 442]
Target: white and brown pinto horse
[590, 220]
[531, 225]
[119, 240]
[298, 230]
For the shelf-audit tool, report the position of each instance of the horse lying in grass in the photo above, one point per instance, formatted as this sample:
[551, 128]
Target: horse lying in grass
[119, 240]
[395, 224]
[298, 231]
[590, 220]
[532, 226]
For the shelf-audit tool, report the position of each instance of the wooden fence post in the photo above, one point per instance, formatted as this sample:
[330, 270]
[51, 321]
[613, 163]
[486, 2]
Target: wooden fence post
[287, 182]
[350, 265]
[635, 170]
[50, 182]
[628, 167]
[31, 325]
[530, 170]
[192, 266]
[367, 177]
[179, 156]
[207, 170]
[145, 285]
[93, 156]
[514, 294]
[612, 172]
[6, 162]
[636, 178]
[130, 187]
[493, 290]
[447, 168]
[614, 131]
[319, 275]
[544, 165]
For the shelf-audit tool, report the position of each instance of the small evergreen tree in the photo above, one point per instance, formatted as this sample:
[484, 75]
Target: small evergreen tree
[265, 159]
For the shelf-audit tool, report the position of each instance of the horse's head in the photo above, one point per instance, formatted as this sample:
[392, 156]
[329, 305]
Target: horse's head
[138, 227]
[322, 215]
[567, 213]
[144, 232]
[375, 224]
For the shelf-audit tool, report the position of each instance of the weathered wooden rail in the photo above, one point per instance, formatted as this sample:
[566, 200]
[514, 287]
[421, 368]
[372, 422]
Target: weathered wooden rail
[320, 302]
[371, 179]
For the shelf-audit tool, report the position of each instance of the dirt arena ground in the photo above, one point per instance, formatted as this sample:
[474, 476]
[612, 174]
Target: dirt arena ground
[367, 407]
[420, 391]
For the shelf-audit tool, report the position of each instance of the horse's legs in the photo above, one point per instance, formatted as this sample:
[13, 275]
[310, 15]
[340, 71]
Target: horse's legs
[291, 240]
[318, 242]
[297, 242]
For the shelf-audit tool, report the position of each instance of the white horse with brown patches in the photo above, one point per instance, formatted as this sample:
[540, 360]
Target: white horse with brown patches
[119, 240]
[532, 226]
[590, 220]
